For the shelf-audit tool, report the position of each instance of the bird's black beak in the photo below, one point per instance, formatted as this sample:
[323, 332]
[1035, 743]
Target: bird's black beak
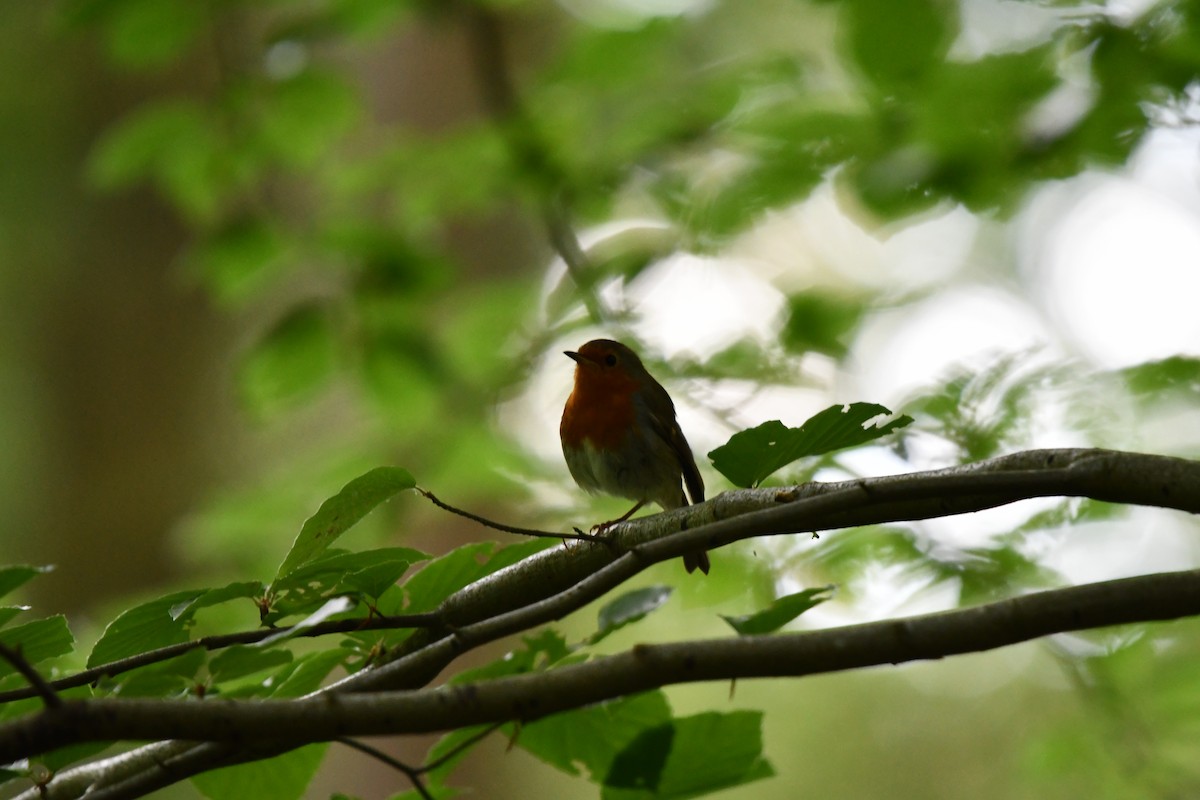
[571, 354]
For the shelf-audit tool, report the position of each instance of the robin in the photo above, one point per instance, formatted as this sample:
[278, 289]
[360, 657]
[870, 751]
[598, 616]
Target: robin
[619, 435]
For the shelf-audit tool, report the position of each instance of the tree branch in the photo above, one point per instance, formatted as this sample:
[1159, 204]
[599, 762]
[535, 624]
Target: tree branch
[532, 696]
[218, 641]
[555, 582]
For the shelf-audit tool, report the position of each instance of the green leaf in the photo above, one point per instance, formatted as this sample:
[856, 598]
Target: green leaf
[151, 34]
[241, 660]
[707, 752]
[1151, 380]
[330, 608]
[284, 777]
[12, 578]
[540, 651]
[751, 455]
[144, 627]
[370, 573]
[174, 677]
[898, 42]
[592, 737]
[629, 607]
[820, 323]
[9, 613]
[212, 597]
[779, 613]
[451, 742]
[443, 576]
[37, 641]
[307, 673]
[300, 118]
[238, 261]
[291, 363]
[178, 146]
[342, 511]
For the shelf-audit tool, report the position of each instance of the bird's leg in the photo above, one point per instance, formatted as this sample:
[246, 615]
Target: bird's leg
[604, 526]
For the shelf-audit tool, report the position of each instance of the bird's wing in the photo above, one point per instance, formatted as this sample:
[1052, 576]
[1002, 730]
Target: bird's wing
[667, 428]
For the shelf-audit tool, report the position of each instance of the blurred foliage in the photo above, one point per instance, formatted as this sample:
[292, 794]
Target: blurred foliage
[340, 231]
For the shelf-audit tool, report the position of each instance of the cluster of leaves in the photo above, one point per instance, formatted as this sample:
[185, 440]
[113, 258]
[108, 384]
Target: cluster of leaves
[634, 746]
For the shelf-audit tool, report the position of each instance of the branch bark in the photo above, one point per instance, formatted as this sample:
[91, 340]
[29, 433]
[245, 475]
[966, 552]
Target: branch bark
[554, 583]
[528, 697]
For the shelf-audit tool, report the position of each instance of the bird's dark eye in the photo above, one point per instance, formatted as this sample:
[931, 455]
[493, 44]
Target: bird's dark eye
[611, 360]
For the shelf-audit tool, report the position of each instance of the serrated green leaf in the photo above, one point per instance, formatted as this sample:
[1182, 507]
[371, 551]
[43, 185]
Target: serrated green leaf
[342, 511]
[241, 660]
[9, 613]
[629, 607]
[540, 651]
[707, 752]
[752, 455]
[593, 736]
[308, 672]
[144, 627]
[284, 777]
[779, 613]
[235, 591]
[445, 575]
[336, 572]
[37, 641]
[170, 678]
[16, 576]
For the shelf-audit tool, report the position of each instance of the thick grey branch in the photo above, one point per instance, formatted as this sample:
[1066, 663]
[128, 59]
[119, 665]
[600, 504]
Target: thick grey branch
[528, 697]
[550, 585]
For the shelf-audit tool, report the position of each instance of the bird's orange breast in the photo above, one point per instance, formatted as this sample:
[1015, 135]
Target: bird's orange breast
[600, 409]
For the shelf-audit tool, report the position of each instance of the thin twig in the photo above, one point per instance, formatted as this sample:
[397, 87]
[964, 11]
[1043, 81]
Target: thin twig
[463, 745]
[217, 642]
[37, 683]
[528, 149]
[412, 773]
[500, 526]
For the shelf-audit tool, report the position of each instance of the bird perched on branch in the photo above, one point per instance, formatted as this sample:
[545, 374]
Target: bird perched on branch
[619, 435]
